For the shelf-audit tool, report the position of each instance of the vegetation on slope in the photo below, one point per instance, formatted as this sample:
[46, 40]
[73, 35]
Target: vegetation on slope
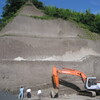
[86, 20]
[43, 17]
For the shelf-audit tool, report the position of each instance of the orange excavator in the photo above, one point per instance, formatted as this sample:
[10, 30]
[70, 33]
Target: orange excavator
[91, 86]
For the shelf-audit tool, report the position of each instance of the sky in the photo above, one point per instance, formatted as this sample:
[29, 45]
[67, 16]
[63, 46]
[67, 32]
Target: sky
[2, 3]
[75, 5]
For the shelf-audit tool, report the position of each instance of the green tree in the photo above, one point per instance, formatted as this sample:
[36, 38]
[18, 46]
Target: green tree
[97, 23]
[50, 10]
[38, 4]
[62, 13]
[10, 9]
[76, 16]
[12, 6]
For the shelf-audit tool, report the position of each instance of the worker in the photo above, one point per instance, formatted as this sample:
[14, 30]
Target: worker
[39, 94]
[21, 93]
[28, 91]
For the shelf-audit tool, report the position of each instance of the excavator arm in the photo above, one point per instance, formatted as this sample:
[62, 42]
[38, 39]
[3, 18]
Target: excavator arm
[56, 72]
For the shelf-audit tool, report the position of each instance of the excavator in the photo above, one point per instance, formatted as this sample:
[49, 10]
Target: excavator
[92, 88]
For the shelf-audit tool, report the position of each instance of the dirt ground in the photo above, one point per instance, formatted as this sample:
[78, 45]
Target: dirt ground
[67, 97]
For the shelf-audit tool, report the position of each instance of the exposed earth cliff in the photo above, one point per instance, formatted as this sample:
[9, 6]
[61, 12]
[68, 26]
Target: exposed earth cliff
[30, 47]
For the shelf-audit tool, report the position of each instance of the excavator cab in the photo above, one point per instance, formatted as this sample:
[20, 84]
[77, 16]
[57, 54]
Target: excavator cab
[91, 83]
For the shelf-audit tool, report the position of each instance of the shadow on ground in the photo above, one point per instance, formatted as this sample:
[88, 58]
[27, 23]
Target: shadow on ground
[7, 96]
[70, 85]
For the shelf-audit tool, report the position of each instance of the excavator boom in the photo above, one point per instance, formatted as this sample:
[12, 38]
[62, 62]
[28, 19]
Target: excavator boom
[56, 72]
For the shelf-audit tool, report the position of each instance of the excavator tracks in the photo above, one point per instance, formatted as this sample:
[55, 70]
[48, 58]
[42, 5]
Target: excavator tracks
[87, 93]
[54, 93]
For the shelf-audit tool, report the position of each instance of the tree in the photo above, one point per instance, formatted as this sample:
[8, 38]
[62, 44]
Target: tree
[10, 10]
[12, 6]
[50, 10]
[97, 23]
[62, 13]
[38, 4]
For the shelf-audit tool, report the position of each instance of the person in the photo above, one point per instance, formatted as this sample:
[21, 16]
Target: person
[39, 94]
[28, 91]
[21, 93]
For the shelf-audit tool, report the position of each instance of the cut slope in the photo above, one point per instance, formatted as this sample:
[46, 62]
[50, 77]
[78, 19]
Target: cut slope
[47, 49]
[27, 26]
[29, 48]
[24, 25]
[30, 10]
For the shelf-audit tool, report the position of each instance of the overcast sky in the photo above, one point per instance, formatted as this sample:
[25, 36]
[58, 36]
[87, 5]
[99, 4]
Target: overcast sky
[76, 5]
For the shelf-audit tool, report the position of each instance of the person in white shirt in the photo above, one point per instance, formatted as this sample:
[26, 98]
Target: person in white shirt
[39, 94]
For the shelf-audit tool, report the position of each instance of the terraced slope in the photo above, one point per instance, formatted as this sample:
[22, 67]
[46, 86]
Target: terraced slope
[29, 48]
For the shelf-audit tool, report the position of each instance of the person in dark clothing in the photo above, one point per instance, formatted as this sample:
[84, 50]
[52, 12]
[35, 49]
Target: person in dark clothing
[28, 91]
